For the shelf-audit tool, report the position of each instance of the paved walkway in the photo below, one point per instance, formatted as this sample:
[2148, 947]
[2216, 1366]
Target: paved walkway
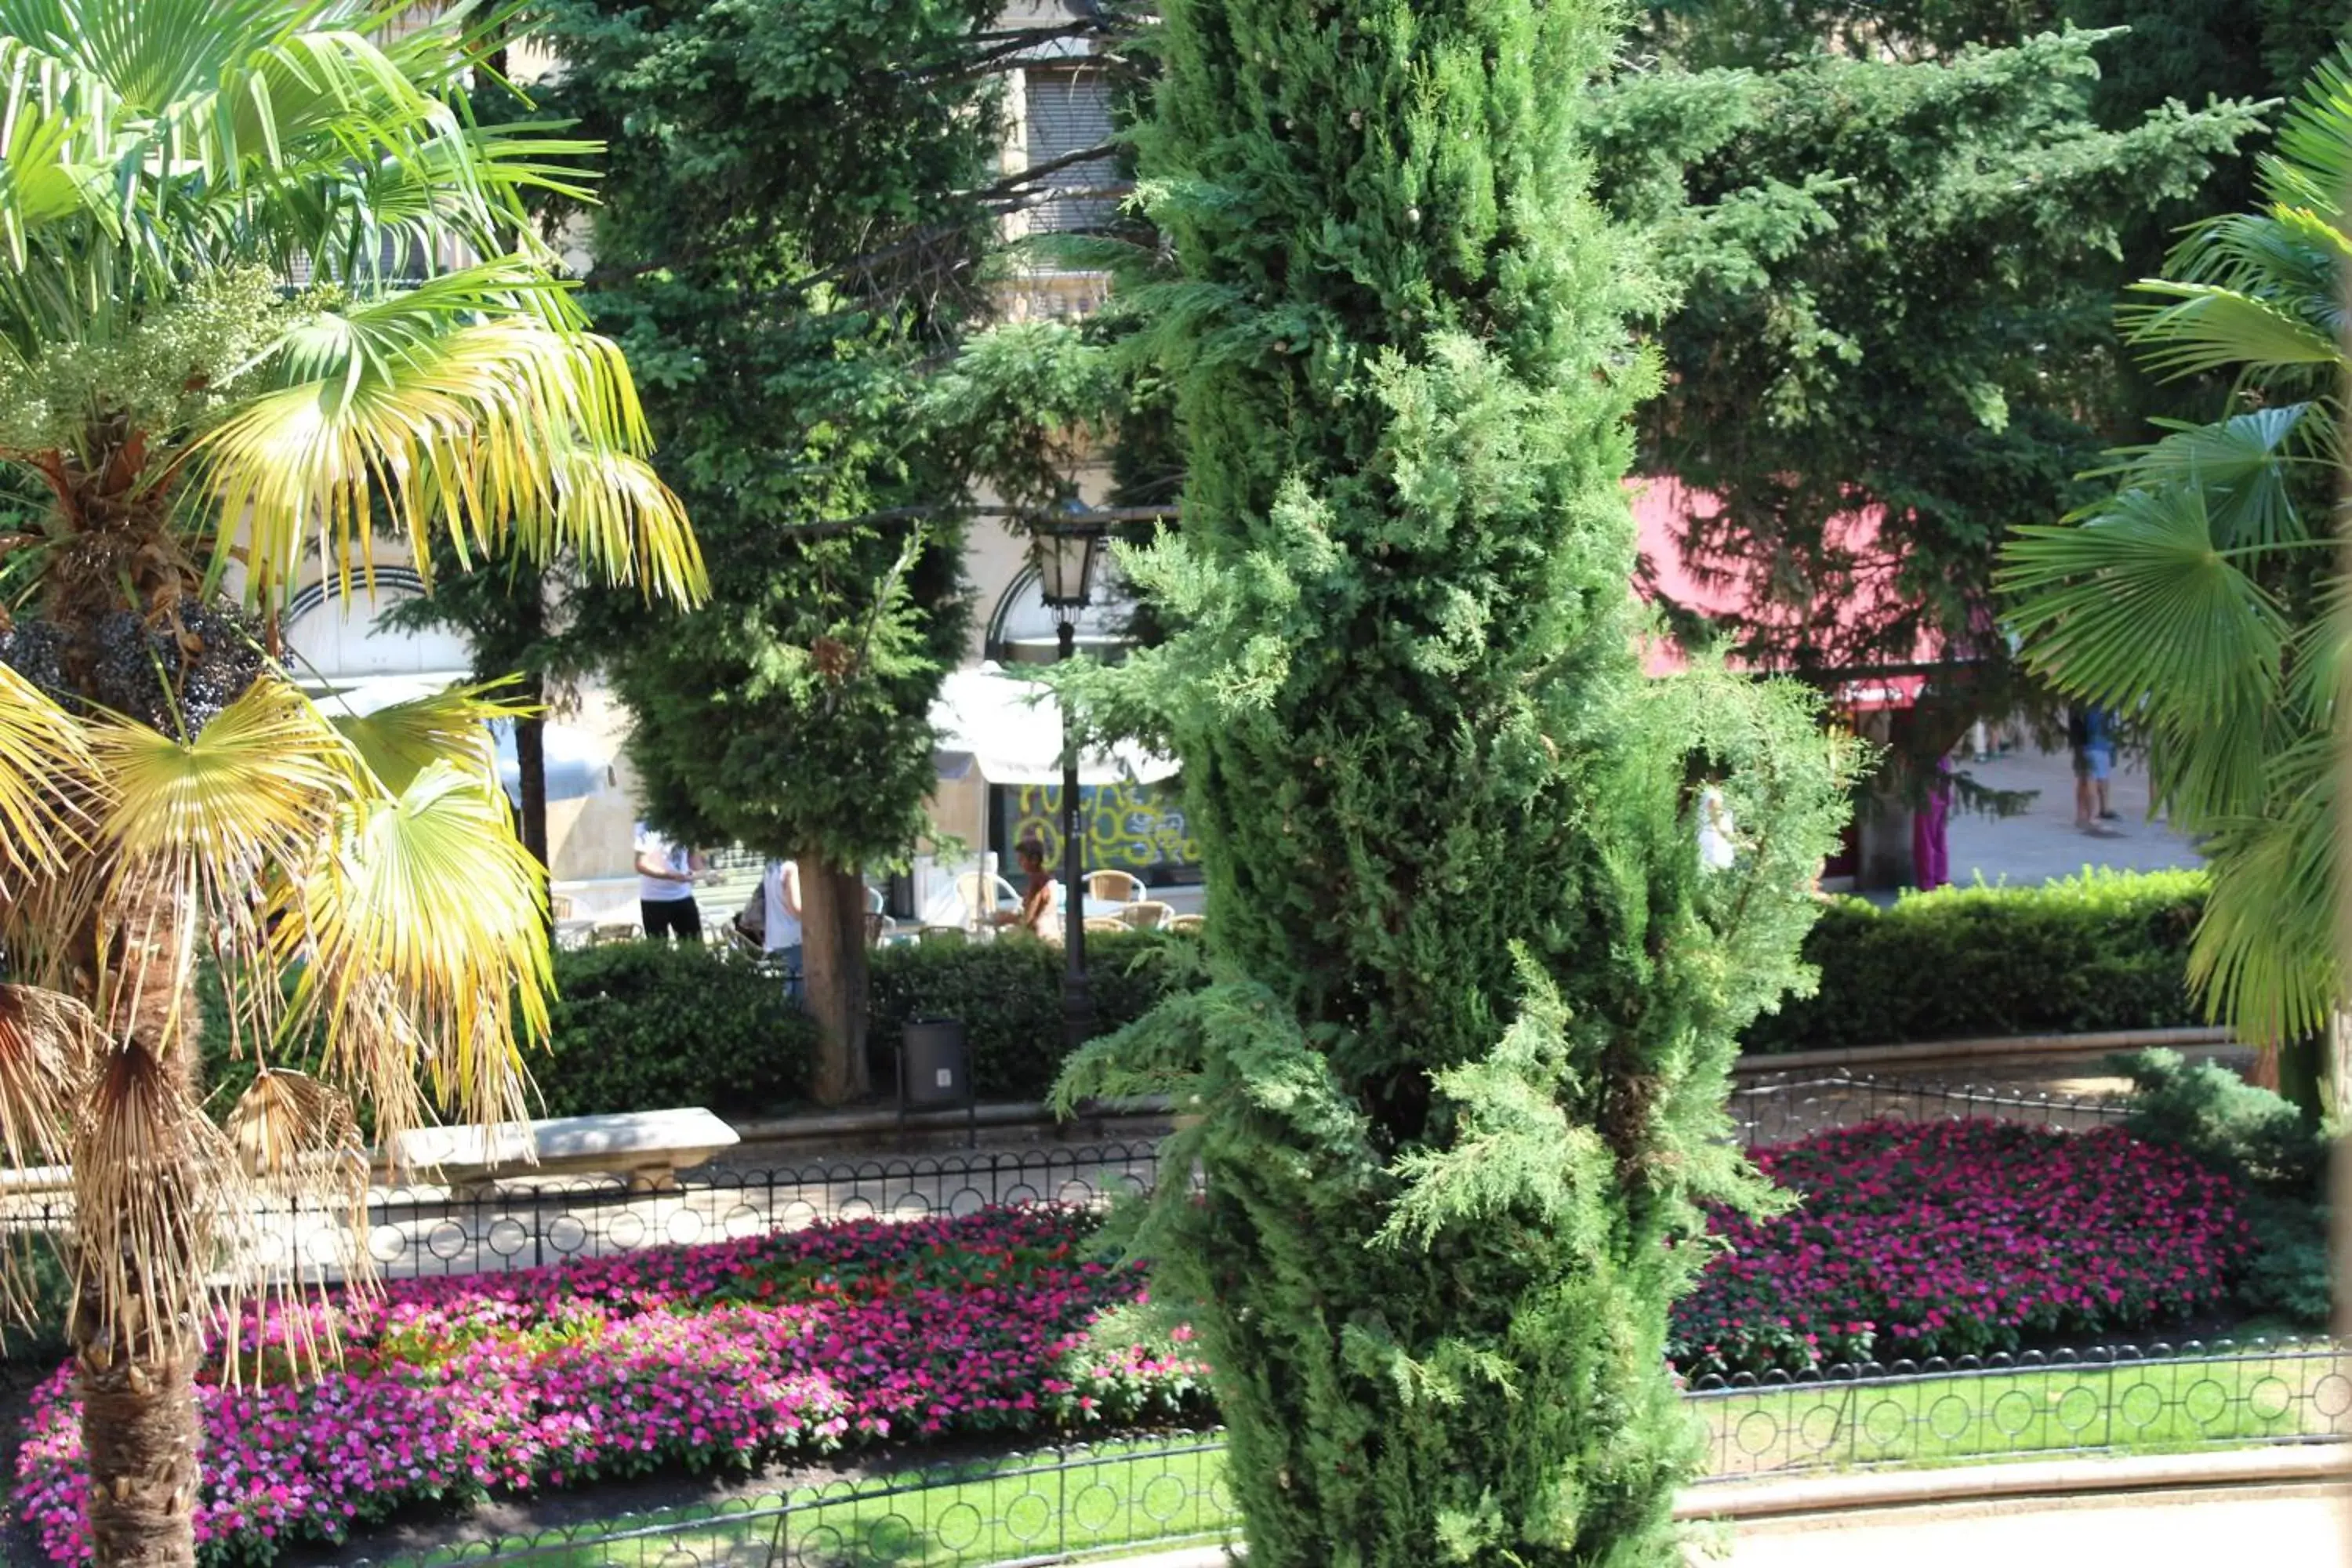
[2291, 1527]
[2042, 843]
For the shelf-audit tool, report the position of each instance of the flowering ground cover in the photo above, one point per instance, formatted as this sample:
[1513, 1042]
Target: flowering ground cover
[1914, 1240]
[1959, 1238]
[707, 1358]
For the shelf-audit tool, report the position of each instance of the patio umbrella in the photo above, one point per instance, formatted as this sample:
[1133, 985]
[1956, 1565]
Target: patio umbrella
[1010, 731]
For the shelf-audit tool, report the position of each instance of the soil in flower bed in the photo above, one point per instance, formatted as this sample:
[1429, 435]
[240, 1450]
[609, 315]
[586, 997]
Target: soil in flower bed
[1951, 1239]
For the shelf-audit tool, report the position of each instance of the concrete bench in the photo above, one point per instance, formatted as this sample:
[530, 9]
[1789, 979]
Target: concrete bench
[647, 1147]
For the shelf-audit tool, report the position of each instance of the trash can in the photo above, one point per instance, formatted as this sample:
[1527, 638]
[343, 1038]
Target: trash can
[935, 1069]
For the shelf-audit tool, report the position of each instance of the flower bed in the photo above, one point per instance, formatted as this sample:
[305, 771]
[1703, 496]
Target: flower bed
[1913, 1241]
[1958, 1237]
[708, 1358]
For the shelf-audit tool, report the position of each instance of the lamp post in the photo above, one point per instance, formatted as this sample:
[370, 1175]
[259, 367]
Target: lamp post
[1065, 568]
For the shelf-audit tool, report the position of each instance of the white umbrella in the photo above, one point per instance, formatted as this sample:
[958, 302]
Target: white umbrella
[1011, 730]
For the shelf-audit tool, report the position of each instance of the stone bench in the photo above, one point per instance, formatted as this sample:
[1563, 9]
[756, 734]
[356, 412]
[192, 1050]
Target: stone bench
[649, 1148]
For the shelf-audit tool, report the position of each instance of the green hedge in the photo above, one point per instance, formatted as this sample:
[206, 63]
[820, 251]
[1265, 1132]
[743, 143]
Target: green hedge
[640, 1025]
[2099, 952]
[635, 1025]
[1009, 995]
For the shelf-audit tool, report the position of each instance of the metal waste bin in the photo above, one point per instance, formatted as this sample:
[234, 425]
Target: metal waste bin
[935, 1069]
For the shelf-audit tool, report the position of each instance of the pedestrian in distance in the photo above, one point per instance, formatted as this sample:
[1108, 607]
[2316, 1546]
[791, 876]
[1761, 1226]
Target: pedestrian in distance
[665, 877]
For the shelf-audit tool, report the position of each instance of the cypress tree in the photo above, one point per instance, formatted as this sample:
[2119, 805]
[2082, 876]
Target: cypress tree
[1459, 1082]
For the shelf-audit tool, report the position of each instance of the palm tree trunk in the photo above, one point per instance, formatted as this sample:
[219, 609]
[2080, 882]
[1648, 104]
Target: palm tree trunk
[136, 1379]
[833, 968]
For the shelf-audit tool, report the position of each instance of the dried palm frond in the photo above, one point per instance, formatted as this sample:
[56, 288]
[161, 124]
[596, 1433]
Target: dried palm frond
[49, 1045]
[153, 1180]
[298, 1144]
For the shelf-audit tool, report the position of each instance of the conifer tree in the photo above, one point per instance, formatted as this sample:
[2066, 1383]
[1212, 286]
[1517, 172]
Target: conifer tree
[1459, 1083]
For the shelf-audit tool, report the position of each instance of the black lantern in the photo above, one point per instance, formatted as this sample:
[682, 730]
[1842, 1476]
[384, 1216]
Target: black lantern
[1065, 553]
[1065, 570]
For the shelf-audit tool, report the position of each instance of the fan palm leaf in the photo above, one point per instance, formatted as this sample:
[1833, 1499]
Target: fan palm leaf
[2189, 597]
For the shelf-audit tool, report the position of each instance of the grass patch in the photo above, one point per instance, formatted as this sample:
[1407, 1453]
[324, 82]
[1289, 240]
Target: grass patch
[1157, 1491]
[2140, 1407]
[1117, 1495]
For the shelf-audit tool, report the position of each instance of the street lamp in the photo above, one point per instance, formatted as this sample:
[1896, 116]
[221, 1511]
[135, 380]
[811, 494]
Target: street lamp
[1065, 555]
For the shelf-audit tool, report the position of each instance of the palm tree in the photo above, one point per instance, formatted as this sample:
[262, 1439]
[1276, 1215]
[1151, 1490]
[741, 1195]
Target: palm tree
[269, 297]
[2202, 596]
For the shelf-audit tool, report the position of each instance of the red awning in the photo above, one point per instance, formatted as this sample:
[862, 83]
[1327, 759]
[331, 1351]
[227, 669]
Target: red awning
[1832, 630]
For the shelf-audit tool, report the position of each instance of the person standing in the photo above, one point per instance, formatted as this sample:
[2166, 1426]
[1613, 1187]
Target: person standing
[665, 871]
[2089, 731]
[781, 938]
[1931, 844]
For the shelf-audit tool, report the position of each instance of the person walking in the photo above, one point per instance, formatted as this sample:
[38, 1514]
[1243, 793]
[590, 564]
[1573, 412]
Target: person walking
[666, 874]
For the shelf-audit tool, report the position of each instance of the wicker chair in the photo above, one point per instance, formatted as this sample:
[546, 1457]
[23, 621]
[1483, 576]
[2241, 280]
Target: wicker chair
[1147, 914]
[1114, 887]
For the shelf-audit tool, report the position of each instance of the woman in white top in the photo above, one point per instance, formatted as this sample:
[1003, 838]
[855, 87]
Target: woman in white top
[780, 938]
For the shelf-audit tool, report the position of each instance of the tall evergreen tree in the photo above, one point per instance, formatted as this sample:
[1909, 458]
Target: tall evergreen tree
[1460, 1080]
[796, 226]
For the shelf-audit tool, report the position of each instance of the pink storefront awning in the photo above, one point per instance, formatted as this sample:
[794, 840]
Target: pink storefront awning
[1833, 629]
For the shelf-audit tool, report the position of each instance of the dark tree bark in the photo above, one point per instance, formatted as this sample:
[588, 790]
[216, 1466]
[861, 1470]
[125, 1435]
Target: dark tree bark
[833, 970]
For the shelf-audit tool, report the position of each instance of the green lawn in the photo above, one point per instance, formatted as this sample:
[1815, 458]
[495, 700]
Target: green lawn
[1149, 1490]
[1172, 1490]
[2151, 1407]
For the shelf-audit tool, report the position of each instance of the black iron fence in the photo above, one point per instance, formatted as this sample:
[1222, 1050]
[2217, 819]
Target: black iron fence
[1027, 1509]
[536, 1221]
[2130, 1398]
[1059, 1504]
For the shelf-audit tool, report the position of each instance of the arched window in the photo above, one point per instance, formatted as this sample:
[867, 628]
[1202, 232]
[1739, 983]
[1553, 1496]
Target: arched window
[1022, 630]
[336, 638]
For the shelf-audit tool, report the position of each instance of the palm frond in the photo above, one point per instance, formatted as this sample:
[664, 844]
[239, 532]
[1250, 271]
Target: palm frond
[461, 409]
[2135, 603]
[194, 830]
[2243, 465]
[401, 739]
[46, 779]
[2208, 329]
[2264, 955]
[425, 933]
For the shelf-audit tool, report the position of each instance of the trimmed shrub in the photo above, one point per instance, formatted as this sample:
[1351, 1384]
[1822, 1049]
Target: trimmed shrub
[635, 1025]
[1009, 995]
[2102, 951]
[640, 1025]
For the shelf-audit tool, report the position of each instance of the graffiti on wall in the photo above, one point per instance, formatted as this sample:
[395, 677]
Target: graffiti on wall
[1129, 826]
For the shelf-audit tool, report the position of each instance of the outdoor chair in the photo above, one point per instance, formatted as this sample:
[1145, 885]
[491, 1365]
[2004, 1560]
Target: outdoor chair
[982, 896]
[1187, 923]
[1147, 914]
[1106, 923]
[1114, 887]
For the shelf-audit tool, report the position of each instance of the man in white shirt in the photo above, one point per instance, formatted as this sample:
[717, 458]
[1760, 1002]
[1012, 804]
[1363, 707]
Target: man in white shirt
[781, 936]
[666, 903]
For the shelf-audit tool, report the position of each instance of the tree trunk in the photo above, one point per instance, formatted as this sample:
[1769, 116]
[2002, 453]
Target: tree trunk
[833, 971]
[531, 766]
[139, 1421]
[2303, 1074]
